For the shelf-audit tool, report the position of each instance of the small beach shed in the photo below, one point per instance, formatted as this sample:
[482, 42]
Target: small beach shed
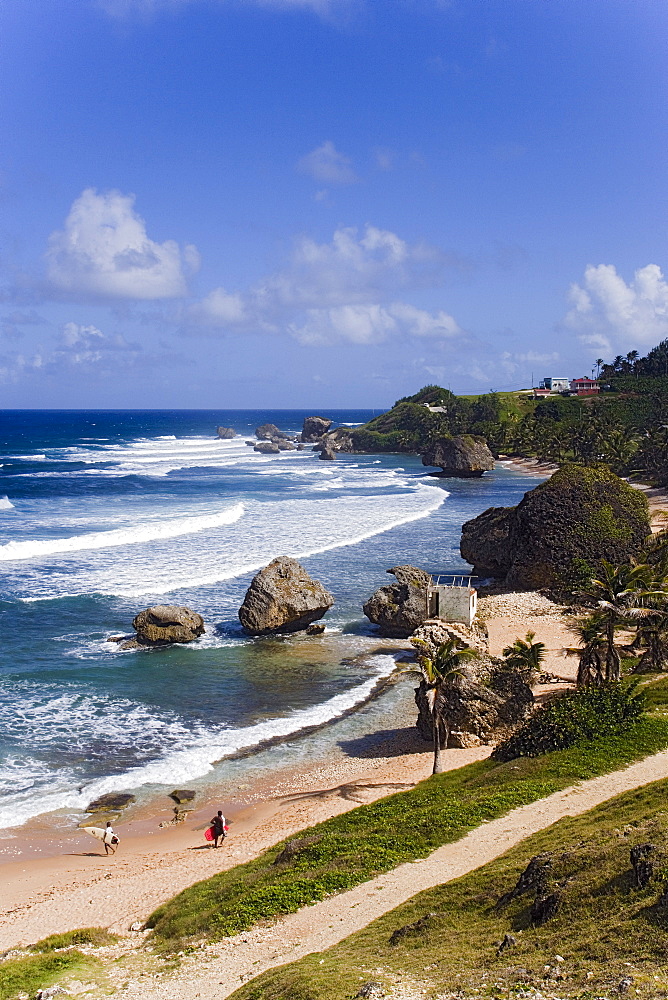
[452, 597]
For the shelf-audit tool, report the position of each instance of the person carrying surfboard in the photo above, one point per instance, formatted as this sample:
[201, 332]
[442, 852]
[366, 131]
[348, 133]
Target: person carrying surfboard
[218, 828]
[110, 840]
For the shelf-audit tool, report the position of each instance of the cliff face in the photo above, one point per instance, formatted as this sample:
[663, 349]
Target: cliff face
[558, 535]
[463, 457]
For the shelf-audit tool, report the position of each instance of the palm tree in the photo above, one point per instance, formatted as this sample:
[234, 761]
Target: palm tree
[618, 596]
[591, 633]
[599, 362]
[439, 671]
[525, 655]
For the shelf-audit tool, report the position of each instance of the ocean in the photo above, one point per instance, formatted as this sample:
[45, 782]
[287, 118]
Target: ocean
[105, 513]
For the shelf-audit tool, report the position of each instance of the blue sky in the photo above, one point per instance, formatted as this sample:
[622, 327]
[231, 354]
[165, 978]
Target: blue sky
[320, 203]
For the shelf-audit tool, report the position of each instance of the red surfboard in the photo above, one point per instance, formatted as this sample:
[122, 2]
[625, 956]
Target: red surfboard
[208, 834]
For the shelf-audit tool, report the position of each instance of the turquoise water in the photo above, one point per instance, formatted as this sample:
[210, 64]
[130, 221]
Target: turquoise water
[105, 513]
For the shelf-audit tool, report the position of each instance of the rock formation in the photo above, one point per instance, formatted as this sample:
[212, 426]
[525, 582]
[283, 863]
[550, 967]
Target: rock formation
[164, 624]
[270, 432]
[400, 607]
[327, 454]
[434, 632]
[338, 440]
[558, 535]
[226, 433]
[267, 447]
[282, 597]
[463, 457]
[314, 428]
[487, 701]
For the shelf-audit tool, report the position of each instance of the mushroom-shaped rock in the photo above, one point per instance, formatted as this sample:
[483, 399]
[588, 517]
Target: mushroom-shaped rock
[462, 457]
[282, 597]
[400, 607]
[314, 428]
[166, 623]
[560, 532]
[226, 433]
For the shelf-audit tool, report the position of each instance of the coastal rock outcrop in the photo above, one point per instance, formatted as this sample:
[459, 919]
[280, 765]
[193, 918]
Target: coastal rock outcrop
[432, 633]
[338, 440]
[283, 597]
[267, 447]
[226, 433]
[463, 457]
[561, 531]
[270, 432]
[487, 701]
[327, 454]
[314, 428]
[398, 608]
[163, 624]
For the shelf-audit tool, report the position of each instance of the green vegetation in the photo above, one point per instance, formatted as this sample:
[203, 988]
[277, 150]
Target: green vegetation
[626, 426]
[446, 939]
[98, 937]
[586, 713]
[33, 972]
[369, 840]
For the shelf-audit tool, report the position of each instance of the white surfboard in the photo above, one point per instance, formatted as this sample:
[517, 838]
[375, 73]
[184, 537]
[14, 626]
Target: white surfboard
[96, 831]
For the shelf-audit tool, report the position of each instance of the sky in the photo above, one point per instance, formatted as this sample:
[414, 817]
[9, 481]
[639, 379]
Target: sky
[326, 203]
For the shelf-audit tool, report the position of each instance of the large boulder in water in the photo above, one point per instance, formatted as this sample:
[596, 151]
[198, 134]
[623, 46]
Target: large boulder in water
[164, 624]
[314, 428]
[270, 432]
[398, 608]
[462, 457]
[282, 597]
[226, 433]
[561, 531]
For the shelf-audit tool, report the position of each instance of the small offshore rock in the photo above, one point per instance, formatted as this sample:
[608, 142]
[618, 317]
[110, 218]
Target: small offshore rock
[181, 795]
[269, 432]
[283, 597]
[110, 801]
[463, 457]
[316, 629]
[285, 445]
[164, 624]
[267, 447]
[399, 608]
[226, 433]
[327, 454]
[314, 428]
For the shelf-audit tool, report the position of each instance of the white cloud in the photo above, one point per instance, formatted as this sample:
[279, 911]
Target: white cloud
[327, 165]
[104, 251]
[372, 324]
[129, 8]
[607, 312]
[221, 308]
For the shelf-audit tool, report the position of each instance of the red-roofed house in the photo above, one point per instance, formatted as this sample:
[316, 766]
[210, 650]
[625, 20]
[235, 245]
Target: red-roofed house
[585, 386]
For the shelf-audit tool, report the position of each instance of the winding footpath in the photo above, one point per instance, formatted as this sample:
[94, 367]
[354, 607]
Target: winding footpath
[221, 968]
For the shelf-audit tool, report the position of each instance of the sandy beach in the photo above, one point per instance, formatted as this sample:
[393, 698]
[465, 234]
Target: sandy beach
[62, 882]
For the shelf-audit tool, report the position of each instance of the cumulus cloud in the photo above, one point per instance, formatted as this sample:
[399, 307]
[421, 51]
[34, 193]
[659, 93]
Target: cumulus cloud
[606, 311]
[327, 165]
[342, 290]
[77, 347]
[373, 323]
[104, 251]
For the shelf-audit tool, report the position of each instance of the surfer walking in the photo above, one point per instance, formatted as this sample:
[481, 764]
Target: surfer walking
[218, 828]
[110, 840]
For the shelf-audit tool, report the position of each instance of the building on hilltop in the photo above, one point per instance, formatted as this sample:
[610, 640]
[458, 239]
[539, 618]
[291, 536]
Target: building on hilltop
[585, 386]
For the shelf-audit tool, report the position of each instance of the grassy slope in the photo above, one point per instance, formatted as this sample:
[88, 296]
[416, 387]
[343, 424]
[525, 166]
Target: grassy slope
[55, 959]
[603, 921]
[349, 849]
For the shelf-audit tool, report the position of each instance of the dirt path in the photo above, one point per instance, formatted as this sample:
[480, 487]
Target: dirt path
[220, 969]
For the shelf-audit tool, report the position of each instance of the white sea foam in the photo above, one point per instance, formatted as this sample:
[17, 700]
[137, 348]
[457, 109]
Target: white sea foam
[194, 757]
[6, 504]
[297, 528]
[120, 536]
